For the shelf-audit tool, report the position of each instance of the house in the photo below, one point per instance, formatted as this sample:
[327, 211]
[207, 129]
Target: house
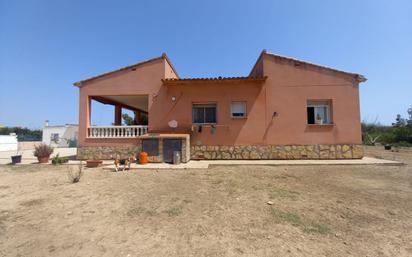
[60, 135]
[284, 109]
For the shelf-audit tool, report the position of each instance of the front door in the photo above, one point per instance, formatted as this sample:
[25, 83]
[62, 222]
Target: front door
[169, 146]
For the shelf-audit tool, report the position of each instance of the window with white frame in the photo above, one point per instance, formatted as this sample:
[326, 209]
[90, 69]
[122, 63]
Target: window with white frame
[204, 114]
[319, 112]
[238, 109]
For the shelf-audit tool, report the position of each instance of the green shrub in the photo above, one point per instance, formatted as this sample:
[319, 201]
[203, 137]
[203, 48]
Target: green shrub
[57, 160]
[399, 134]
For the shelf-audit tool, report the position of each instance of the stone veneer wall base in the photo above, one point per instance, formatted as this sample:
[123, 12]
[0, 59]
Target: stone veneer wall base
[237, 152]
[107, 152]
[276, 152]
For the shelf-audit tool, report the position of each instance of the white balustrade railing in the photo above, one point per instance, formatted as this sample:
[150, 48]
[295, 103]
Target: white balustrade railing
[116, 131]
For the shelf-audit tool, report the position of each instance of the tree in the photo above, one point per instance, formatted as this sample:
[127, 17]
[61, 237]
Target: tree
[129, 121]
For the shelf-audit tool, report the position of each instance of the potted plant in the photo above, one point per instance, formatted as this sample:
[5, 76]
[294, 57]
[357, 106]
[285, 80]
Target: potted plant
[319, 119]
[93, 163]
[16, 158]
[43, 152]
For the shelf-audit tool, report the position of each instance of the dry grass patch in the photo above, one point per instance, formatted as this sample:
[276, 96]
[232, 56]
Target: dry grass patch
[296, 221]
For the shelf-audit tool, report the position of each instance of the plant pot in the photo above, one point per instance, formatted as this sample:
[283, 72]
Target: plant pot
[93, 163]
[388, 147]
[43, 159]
[16, 159]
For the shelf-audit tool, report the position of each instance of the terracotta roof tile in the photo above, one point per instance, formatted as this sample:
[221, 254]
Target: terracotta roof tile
[357, 76]
[213, 79]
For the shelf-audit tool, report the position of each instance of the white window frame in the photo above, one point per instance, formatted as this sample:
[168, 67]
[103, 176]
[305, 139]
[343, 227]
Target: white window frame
[328, 116]
[231, 110]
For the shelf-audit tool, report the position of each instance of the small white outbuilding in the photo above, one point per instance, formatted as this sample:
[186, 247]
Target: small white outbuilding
[60, 135]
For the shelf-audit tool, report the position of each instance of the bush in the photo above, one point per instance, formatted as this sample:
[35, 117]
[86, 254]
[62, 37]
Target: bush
[23, 134]
[43, 150]
[74, 176]
[59, 160]
[399, 134]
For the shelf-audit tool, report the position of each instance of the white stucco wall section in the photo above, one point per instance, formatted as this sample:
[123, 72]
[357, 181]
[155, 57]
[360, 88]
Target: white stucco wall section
[66, 133]
[8, 143]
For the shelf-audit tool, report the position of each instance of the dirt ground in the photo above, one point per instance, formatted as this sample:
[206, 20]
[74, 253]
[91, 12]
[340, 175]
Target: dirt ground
[221, 211]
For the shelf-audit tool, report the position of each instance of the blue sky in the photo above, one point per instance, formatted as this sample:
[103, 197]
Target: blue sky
[47, 45]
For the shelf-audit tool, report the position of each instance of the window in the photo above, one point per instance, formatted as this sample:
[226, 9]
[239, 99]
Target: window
[204, 113]
[319, 112]
[238, 109]
[54, 137]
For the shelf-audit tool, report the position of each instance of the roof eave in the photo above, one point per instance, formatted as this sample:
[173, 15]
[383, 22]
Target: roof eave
[360, 78]
[163, 56]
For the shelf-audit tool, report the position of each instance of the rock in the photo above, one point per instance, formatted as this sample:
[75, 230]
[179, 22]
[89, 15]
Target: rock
[357, 151]
[345, 148]
[207, 155]
[254, 155]
[245, 155]
[225, 156]
[270, 203]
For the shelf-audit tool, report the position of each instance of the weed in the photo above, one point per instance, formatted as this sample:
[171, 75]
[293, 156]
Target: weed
[283, 193]
[57, 160]
[322, 229]
[295, 220]
[174, 211]
[141, 211]
[287, 217]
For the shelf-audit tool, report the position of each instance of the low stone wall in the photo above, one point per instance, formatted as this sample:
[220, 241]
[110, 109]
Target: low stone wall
[237, 152]
[264, 152]
[107, 152]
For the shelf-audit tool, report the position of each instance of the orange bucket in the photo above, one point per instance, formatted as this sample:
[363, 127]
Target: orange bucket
[143, 158]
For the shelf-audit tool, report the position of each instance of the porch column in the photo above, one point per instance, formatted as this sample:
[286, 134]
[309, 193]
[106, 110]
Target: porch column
[117, 115]
[137, 117]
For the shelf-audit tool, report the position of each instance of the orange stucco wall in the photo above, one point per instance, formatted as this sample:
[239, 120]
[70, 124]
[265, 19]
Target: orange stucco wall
[286, 91]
